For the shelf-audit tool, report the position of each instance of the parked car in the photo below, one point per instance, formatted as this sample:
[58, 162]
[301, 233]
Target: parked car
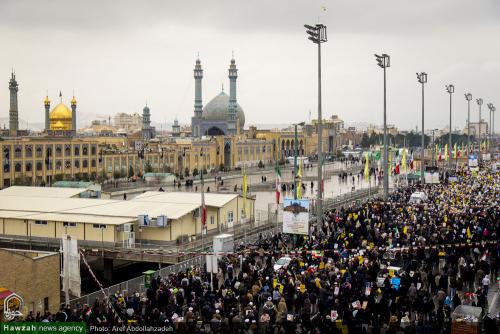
[284, 261]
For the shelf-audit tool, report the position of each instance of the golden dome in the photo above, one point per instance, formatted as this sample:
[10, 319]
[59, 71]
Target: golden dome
[58, 126]
[60, 112]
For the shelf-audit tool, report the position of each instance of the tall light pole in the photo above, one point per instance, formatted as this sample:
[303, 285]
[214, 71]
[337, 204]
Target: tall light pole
[384, 61]
[450, 89]
[317, 35]
[491, 107]
[468, 97]
[493, 126]
[422, 78]
[295, 154]
[479, 103]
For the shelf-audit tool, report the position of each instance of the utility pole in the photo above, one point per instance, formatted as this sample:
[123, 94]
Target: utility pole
[317, 34]
[479, 103]
[450, 89]
[384, 61]
[468, 97]
[422, 78]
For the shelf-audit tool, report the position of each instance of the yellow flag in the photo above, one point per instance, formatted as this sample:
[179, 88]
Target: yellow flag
[403, 161]
[469, 234]
[299, 181]
[367, 168]
[245, 186]
[446, 152]
[455, 151]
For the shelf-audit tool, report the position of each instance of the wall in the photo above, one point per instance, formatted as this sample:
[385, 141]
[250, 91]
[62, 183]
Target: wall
[32, 279]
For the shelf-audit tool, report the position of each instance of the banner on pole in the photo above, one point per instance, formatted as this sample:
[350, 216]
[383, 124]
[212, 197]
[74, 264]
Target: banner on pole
[296, 216]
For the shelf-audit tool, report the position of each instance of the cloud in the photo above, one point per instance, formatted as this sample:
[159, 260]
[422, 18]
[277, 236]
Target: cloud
[117, 54]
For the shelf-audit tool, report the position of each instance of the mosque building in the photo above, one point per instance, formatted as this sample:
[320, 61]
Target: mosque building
[222, 116]
[61, 121]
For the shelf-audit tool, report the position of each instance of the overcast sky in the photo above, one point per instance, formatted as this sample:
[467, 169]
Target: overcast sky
[116, 55]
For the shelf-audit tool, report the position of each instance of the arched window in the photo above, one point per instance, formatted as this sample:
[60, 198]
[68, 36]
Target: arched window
[85, 163]
[58, 165]
[28, 151]
[67, 151]
[93, 163]
[29, 167]
[77, 163]
[67, 164]
[18, 152]
[39, 166]
[58, 150]
[17, 167]
[39, 151]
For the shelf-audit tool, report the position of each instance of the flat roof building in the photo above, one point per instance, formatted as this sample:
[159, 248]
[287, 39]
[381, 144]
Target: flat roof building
[53, 212]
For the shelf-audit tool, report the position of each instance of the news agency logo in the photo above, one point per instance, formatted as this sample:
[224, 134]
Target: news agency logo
[12, 306]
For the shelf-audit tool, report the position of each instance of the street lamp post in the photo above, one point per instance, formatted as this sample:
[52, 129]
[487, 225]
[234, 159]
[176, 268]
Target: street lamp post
[317, 34]
[422, 78]
[450, 89]
[468, 97]
[384, 61]
[493, 126]
[479, 103]
[491, 107]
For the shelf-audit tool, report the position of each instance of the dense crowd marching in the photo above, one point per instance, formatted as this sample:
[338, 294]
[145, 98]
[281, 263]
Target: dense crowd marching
[378, 267]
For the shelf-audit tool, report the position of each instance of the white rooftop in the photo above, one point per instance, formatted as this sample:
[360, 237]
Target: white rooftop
[23, 191]
[211, 199]
[57, 204]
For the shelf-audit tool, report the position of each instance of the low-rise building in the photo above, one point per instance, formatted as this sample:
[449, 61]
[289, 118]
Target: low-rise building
[32, 275]
[54, 212]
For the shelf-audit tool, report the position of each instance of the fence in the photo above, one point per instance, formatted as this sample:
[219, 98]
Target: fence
[137, 284]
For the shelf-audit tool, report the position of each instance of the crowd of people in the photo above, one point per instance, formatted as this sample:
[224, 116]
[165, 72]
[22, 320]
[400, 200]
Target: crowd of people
[378, 267]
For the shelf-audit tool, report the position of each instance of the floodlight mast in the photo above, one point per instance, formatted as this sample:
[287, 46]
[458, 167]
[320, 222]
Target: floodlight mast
[317, 34]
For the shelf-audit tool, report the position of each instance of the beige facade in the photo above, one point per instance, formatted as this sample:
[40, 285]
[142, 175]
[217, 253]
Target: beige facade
[34, 276]
[128, 122]
[96, 221]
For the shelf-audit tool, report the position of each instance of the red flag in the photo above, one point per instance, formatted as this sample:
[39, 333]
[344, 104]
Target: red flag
[397, 169]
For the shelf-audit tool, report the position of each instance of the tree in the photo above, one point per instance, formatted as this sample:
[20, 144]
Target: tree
[130, 171]
[148, 168]
[195, 172]
[365, 141]
[186, 171]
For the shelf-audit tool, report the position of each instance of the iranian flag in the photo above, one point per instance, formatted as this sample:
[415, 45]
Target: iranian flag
[203, 206]
[278, 183]
[88, 313]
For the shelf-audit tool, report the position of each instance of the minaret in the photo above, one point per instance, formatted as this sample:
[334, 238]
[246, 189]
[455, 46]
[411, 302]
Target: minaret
[176, 128]
[233, 74]
[73, 113]
[46, 103]
[13, 112]
[146, 123]
[198, 102]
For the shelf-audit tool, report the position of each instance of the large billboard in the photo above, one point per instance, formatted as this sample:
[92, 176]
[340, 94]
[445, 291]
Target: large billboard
[296, 216]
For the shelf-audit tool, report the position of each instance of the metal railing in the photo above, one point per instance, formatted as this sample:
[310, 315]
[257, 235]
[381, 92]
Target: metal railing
[137, 284]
